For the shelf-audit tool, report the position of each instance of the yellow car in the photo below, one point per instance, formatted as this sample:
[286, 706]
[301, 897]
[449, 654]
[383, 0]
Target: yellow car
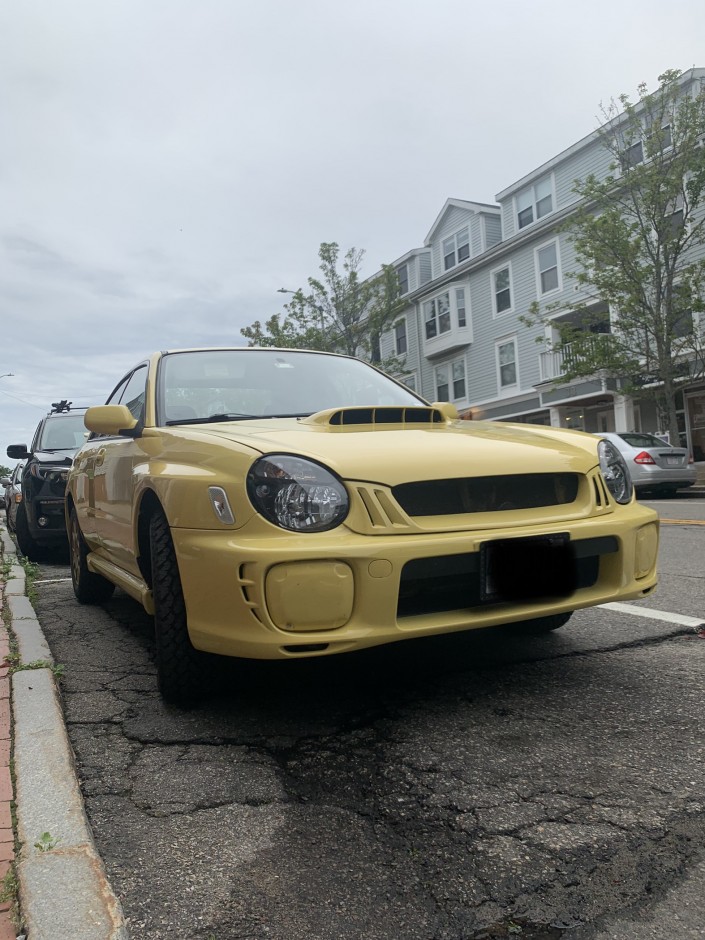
[277, 503]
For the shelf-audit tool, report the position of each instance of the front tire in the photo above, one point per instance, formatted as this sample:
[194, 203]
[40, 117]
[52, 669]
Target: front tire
[179, 664]
[28, 545]
[89, 588]
[541, 625]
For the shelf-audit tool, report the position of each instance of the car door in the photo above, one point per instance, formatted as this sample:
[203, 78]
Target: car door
[111, 488]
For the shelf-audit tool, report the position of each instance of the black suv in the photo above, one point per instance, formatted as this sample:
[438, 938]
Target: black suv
[40, 515]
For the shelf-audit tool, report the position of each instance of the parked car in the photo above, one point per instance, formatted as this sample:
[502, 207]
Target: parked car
[39, 519]
[279, 504]
[12, 496]
[655, 466]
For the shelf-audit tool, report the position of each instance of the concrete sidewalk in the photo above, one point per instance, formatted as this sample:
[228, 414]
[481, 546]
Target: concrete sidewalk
[63, 891]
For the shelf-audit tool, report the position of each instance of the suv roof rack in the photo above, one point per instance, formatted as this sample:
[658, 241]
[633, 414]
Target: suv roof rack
[57, 407]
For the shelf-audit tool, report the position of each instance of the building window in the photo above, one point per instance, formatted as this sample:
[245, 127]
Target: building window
[507, 364]
[375, 349]
[437, 315]
[456, 249]
[400, 337]
[547, 260]
[450, 381]
[632, 155]
[684, 325]
[458, 373]
[460, 306]
[677, 223]
[403, 275]
[410, 382]
[502, 290]
[534, 203]
[443, 311]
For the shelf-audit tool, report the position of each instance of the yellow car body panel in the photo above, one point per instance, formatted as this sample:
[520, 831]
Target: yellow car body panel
[255, 589]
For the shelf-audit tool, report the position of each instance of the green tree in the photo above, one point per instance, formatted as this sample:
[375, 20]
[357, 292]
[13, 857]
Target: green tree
[5, 471]
[639, 235]
[336, 312]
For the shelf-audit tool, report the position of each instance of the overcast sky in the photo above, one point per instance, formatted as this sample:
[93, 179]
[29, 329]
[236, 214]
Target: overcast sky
[167, 165]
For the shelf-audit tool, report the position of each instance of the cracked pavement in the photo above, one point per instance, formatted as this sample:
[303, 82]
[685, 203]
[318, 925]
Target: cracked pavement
[458, 787]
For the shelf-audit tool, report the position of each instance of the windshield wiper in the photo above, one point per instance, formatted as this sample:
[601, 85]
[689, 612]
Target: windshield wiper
[230, 416]
[212, 419]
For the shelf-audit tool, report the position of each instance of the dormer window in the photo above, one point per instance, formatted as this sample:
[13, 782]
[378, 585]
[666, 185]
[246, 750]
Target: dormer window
[534, 202]
[403, 275]
[456, 249]
[635, 150]
[632, 155]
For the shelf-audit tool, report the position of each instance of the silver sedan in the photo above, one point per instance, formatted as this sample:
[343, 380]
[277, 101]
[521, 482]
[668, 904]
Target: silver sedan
[654, 465]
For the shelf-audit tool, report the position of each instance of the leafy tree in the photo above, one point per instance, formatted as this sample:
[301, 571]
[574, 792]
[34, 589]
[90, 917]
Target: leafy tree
[638, 235]
[5, 471]
[337, 312]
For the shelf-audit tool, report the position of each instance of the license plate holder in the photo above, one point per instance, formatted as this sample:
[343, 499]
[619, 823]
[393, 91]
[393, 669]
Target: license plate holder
[527, 569]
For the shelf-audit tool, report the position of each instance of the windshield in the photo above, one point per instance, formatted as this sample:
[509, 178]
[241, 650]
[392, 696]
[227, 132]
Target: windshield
[62, 432]
[255, 383]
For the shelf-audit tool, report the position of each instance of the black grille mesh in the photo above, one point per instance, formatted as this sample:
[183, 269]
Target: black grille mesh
[486, 494]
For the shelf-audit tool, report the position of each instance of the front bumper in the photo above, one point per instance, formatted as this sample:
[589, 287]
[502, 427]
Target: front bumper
[651, 478]
[286, 596]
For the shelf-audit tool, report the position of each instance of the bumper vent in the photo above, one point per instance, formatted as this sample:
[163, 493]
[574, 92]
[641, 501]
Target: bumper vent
[487, 494]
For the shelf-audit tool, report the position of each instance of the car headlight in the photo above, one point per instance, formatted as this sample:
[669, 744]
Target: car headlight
[615, 471]
[52, 474]
[297, 494]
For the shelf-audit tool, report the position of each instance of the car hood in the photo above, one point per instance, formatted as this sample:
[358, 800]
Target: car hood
[55, 457]
[400, 454]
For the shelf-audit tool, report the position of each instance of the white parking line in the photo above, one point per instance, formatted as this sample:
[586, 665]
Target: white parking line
[51, 581]
[654, 614]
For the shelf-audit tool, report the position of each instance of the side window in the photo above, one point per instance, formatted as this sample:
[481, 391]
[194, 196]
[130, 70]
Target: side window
[134, 392]
[116, 395]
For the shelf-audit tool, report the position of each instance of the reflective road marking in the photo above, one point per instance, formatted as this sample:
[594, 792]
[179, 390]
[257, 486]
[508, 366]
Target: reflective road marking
[654, 614]
[682, 521]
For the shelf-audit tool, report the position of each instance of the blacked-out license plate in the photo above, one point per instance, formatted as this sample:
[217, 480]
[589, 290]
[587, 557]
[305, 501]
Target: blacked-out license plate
[527, 569]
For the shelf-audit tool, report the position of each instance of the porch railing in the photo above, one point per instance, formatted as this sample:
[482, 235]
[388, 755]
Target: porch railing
[554, 364]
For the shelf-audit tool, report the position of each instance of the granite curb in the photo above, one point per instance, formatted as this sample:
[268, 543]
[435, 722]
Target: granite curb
[64, 893]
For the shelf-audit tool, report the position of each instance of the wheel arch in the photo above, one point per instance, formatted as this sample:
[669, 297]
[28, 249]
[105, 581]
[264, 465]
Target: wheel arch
[149, 505]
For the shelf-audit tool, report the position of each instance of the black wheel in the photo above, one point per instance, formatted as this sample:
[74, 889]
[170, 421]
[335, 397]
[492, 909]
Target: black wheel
[542, 624]
[89, 588]
[28, 545]
[180, 669]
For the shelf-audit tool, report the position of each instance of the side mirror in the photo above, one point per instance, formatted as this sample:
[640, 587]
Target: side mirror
[109, 419]
[4, 481]
[18, 451]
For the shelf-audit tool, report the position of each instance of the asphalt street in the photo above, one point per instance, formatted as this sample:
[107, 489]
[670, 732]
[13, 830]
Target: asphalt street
[479, 785]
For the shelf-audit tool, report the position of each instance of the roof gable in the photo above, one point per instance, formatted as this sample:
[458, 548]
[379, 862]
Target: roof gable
[471, 208]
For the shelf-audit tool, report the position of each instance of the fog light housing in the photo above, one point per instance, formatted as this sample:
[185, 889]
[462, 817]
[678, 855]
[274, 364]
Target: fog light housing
[310, 595]
[646, 550]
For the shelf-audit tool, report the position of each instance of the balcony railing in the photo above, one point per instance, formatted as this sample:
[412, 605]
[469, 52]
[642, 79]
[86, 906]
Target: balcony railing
[554, 364]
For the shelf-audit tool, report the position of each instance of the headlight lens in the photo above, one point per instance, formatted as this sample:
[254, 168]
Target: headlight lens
[52, 474]
[615, 471]
[297, 494]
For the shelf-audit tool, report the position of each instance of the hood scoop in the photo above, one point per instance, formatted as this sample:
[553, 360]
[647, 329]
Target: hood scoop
[371, 417]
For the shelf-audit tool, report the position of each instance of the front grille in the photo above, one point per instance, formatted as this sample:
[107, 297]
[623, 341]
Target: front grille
[487, 494]
[457, 582]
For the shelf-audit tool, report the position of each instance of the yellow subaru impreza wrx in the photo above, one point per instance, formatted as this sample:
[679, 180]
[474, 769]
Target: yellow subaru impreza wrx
[277, 503]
